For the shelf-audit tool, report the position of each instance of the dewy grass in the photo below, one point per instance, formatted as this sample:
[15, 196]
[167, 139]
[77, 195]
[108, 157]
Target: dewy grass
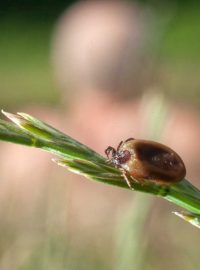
[80, 159]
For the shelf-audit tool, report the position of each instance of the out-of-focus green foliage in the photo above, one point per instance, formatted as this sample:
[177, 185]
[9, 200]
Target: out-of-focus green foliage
[25, 74]
[25, 67]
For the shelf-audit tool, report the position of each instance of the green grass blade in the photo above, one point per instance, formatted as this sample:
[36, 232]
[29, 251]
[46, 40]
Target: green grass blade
[189, 217]
[81, 159]
[12, 133]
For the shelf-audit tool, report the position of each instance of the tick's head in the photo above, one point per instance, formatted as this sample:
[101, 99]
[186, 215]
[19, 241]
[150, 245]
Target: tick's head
[117, 157]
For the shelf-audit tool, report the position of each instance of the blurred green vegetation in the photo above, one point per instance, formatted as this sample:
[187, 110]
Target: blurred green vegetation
[26, 74]
[25, 40]
[180, 54]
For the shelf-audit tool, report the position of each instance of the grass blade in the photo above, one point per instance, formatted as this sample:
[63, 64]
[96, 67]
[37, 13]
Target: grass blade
[80, 159]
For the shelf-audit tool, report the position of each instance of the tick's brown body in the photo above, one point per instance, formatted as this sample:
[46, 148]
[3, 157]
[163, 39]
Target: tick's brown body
[147, 160]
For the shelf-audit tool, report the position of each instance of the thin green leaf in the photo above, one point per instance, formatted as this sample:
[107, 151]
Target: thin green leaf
[82, 160]
[189, 217]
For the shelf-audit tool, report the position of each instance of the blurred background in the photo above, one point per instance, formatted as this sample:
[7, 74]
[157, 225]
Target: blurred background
[101, 71]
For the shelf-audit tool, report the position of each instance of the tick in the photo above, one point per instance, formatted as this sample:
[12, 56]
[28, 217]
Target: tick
[143, 160]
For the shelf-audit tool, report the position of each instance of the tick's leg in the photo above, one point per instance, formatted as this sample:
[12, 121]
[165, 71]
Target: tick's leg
[129, 139]
[127, 179]
[108, 150]
[119, 145]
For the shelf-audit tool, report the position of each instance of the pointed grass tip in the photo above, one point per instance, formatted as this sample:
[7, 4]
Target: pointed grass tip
[189, 217]
[62, 163]
[59, 162]
[15, 118]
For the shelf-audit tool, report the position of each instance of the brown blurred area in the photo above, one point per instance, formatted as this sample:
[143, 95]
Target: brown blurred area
[106, 76]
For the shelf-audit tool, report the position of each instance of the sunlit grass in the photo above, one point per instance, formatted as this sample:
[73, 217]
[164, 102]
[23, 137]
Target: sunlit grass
[82, 160]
